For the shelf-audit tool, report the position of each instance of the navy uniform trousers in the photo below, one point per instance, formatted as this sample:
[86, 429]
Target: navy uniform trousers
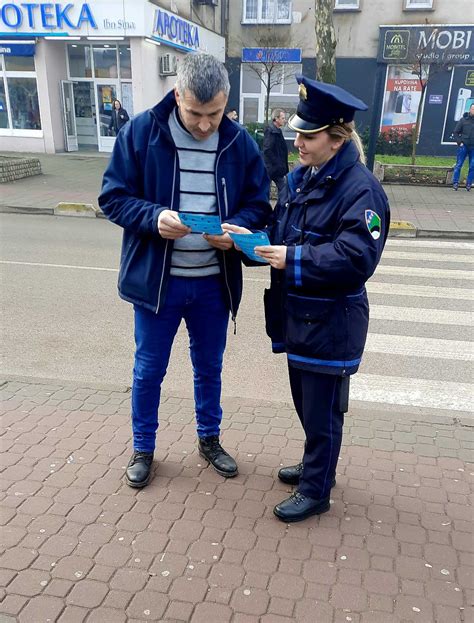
[317, 400]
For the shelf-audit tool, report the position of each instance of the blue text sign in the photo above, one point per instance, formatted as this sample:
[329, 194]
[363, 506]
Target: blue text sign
[271, 55]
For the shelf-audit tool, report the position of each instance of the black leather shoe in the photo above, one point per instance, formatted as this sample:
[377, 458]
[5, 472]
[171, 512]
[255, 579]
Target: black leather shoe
[291, 475]
[138, 472]
[211, 450]
[298, 507]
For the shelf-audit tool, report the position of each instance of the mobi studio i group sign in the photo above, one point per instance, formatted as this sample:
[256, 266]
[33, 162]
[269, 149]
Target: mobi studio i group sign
[440, 43]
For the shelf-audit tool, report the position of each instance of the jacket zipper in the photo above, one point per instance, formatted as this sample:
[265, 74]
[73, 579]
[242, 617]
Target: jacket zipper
[167, 242]
[226, 205]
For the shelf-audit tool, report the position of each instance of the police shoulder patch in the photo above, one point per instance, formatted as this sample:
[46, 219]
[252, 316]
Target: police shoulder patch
[374, 224]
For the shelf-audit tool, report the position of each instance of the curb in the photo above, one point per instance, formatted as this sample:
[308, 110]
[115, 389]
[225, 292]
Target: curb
[402, 229]
[75, 209]
[398, 229]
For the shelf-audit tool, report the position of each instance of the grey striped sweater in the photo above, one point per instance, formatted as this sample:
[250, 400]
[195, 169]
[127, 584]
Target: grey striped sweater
[192, 255]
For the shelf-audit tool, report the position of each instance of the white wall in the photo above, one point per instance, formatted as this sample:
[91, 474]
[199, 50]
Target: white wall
[51, 60]
[147, 87]
[356, 31]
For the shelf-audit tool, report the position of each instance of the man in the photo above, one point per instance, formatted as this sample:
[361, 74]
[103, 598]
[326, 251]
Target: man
[464, 135]
[232, 114]
[275, 151]
[181, 156]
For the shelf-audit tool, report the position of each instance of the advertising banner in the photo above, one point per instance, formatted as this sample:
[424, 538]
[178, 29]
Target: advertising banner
[442, 44]
[401, 99]
[461, 98]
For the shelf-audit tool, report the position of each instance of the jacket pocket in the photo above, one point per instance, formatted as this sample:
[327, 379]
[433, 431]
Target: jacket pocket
[357, 323]
[311, 326]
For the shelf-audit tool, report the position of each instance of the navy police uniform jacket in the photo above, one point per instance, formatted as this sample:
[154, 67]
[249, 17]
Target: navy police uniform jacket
[142, 180]
[335, 223]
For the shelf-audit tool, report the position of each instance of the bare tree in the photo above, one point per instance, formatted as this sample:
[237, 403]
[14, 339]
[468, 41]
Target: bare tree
[268, 68]
[423, 67]
[325, 46]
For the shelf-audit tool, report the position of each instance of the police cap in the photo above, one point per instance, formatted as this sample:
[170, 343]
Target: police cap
[322, 105]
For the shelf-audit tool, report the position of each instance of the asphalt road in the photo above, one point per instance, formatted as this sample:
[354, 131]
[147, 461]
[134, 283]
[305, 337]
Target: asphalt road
[63, 319]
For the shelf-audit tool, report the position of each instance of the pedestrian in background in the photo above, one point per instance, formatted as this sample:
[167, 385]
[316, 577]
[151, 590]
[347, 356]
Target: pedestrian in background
[464, 135]
[327, 235]
[232, 114]
[275, 150]
[183, 155]
[119, 117]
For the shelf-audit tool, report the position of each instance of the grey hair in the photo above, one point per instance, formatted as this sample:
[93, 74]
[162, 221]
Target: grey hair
[203, 75]
[276, 112]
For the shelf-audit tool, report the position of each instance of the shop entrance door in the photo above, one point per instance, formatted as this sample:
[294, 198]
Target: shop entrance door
[86, 117]
[69, 116]
[105, 93]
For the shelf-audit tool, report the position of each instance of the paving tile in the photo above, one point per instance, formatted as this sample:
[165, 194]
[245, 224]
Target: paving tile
[396, 545]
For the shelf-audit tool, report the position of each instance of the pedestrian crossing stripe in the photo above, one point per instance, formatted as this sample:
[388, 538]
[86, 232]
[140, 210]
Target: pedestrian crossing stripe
[374, 224]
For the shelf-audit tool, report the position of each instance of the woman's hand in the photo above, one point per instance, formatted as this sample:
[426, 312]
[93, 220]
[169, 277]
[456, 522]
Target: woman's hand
[234, 229]
[275, 255]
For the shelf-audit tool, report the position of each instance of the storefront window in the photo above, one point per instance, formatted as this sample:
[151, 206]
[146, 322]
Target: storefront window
[80, 62]
[3, 106]
[125, 61]
[19, 107]
[251, 82]
[105, 61]
[19, 63]
[23, 94]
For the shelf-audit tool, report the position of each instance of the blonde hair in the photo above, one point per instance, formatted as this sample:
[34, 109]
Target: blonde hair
[348, 132]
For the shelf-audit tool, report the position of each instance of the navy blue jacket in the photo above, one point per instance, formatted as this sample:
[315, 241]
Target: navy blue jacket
[317, 309]
[142, 179]
[275, 152]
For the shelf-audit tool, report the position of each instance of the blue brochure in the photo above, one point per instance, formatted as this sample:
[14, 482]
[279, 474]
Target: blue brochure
[248, 242]
[202, 223]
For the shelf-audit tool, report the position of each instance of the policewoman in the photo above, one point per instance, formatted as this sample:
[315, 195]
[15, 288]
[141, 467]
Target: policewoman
[327, 235]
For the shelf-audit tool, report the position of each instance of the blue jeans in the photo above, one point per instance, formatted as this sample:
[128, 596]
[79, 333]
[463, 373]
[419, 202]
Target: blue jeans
[201, 303]
[463, 153]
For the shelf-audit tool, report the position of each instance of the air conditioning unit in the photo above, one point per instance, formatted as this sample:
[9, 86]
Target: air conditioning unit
[168, 65]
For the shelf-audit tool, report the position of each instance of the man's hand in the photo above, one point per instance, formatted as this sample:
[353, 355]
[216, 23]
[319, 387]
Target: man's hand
[170, 226]
[274, 254]
[222, 241]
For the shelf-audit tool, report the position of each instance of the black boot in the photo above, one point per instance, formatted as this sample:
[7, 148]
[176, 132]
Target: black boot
[211, 450]
[138, 472]
[291, 475]
[298, 507]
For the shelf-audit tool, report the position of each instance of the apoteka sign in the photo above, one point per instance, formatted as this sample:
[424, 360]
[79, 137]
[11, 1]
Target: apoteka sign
[175, 31]
[48, 16]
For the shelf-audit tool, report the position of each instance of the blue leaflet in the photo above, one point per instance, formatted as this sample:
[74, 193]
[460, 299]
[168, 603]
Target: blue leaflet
[202, 223]
[248, 242]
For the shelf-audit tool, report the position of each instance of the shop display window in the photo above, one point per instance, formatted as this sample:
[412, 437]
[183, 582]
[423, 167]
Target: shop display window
[3, 106]
[19, 63]
[105, 61]
[80, 62]
[19, 106]
[23, 94]
[125, 60]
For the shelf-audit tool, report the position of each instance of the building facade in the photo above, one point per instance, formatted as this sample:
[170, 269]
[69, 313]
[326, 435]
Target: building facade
[367, 62]
[63, 64]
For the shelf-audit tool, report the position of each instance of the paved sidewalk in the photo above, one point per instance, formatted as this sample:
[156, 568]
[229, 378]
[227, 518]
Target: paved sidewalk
[79, 545]
[77, 178]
